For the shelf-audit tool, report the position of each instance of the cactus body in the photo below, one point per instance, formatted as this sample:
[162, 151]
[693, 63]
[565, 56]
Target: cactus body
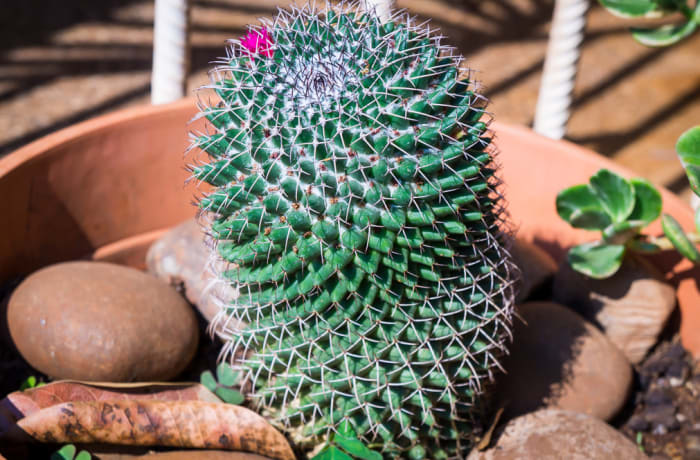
[356, 209]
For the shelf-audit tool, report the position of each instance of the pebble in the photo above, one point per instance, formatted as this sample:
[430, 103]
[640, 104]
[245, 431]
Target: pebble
[181, 258]
[536, 266]
[553, 434]
[559, 360]
[662, 417]
[631, 307]
[658, 396]
[101, 322]
[638, 423]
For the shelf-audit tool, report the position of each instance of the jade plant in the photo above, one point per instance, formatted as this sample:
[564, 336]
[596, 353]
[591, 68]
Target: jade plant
[621, 208]
[666, 34]
[355, 205]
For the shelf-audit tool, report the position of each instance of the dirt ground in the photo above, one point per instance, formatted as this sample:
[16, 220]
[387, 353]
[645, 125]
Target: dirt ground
[62, 62]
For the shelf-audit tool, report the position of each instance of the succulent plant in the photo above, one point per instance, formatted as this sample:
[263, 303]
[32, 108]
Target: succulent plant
[664, 35]
[620, 209]
[356, 207]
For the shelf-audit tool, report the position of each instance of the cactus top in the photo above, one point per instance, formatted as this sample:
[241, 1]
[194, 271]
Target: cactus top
[356, 207]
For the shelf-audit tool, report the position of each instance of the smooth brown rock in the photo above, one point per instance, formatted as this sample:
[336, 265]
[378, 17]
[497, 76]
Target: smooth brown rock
[553, 434]
[536, 267]
[559, 360]
[181, 258]
[631, 307]
[101, 322]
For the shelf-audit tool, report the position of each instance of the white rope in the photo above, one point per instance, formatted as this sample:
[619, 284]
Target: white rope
[170, 50]
[559, 75]
[383, 8]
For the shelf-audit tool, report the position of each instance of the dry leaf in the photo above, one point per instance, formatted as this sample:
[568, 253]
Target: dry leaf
[486, 439]
[23, 403]
[189, 424]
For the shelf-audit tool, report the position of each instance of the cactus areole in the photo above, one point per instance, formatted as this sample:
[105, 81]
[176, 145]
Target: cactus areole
[355, 207]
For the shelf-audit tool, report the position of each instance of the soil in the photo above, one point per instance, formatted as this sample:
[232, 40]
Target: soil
[662, 415]
[665, 416]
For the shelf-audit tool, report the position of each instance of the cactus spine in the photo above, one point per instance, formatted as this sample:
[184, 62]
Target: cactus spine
[355, 207]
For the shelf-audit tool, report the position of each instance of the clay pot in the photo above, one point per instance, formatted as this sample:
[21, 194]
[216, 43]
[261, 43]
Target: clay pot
[108, 187]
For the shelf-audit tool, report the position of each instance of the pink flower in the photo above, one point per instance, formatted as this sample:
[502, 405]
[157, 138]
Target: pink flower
[258, 42]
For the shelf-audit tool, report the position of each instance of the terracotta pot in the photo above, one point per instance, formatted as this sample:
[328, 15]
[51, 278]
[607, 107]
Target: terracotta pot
[107, 187]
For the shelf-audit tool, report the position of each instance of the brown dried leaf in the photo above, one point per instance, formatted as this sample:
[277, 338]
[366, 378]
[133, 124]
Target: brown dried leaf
[23, 403]
[190, 424]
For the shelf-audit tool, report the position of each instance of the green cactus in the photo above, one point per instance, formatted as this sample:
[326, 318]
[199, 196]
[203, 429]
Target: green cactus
[356, 206]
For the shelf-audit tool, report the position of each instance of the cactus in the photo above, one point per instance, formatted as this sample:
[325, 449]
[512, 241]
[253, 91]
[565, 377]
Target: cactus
[355, 205]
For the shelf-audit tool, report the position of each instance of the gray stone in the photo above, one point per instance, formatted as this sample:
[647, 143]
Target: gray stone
[631, 307]
[182, 259]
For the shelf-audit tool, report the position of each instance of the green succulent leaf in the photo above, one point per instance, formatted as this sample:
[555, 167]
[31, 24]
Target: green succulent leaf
[597, 260]
[674, 232]
[356, 448]
[580, 207]
[207, 379]
[697, 220]
[688, 149]
[226, 375]
[83, 455]
[66, 452]
[665, 35]
[615, 193]
[629, 8]
[332, 453]
[647, 201]
[229, 395]
[622, 232]
[640, 245]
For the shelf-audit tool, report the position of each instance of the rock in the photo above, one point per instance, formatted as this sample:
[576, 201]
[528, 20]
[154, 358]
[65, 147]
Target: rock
[555, 434]
[662, 418]
[101, 322]
[559, 360]
[638, 423]
[181, 258]
[658, 397]
[668, 361]
[632, 306]
[536, 267]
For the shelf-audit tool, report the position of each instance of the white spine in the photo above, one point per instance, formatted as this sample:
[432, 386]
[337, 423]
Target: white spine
[383, 8]
[170, 50]
[559, 75]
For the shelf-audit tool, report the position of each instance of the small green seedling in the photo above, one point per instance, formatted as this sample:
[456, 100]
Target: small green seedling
[344, 445]
[30, 382]
[664, 35]
[222, 385]
[620, 209]
[68, 452]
